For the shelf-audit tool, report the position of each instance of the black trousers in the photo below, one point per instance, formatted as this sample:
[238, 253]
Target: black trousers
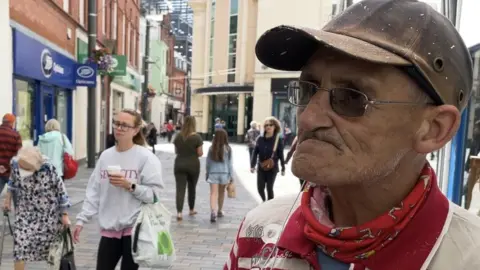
[266, 179]
[250, 152]
[186, 179]
[111, 250]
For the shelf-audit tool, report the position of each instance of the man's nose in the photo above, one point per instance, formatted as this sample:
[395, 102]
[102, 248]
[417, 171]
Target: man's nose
[315, 115]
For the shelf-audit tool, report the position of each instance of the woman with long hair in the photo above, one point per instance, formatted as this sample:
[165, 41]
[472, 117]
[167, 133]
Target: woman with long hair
[219, 172]
[126, 177]
[188, 147]
[268, 151]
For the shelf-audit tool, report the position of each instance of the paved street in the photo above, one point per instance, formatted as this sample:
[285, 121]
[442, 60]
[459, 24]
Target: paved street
[199, 244]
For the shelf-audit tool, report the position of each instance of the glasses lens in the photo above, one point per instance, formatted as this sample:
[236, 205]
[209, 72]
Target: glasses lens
[348, 102]
[300, 93]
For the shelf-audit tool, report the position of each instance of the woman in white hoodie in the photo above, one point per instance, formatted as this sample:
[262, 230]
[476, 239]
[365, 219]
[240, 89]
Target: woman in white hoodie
[125, 177]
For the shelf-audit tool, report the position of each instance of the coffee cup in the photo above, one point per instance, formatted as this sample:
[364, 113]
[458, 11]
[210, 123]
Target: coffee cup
[114, 170]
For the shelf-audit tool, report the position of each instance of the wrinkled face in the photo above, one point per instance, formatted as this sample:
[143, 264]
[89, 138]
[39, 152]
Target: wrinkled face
[336, 150]
[124, 126]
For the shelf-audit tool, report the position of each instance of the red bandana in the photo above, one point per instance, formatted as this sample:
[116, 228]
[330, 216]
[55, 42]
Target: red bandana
[353, 244]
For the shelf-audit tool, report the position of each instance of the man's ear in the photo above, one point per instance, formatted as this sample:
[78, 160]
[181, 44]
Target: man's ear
[438, 128]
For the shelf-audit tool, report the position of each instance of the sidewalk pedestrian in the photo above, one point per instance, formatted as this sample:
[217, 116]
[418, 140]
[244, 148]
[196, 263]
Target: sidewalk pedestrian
[251, 137]
[10, 143]
[188, 147]
[381, 86]
[170, 130]
[219, 172]
[151, 136]
[268, 151]
[125, 177]
[41, 210]
[53, 143]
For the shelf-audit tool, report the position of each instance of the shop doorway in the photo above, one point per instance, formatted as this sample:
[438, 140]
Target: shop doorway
[48, 106]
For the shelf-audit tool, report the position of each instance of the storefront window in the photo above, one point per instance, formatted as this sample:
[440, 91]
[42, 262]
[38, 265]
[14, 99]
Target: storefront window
[24, 110]
[61, 106]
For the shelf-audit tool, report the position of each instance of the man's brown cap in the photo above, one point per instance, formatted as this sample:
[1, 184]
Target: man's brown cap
[404, 33]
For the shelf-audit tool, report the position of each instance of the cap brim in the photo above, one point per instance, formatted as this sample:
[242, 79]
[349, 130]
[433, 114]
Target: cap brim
[289, 48]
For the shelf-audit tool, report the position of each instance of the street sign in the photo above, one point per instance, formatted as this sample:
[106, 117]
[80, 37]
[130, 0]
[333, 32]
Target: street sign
[85, 75]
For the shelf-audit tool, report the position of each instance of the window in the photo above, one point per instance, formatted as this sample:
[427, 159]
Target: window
[24, 110]
[232, 62]
[104, 24]
[124, 21]
[81, 12]
[127, 41]
[115, 20]
[233, 7]
[66, 6]
[61, 109]
[232, 44]
[233, 24]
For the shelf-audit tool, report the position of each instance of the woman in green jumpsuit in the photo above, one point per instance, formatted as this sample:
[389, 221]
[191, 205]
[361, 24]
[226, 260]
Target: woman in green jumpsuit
[188, 147]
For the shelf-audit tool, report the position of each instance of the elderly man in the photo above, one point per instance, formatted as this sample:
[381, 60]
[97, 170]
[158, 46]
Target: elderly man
[381, 86]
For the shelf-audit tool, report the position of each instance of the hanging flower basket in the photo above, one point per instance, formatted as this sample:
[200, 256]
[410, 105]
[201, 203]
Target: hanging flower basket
[103, 58]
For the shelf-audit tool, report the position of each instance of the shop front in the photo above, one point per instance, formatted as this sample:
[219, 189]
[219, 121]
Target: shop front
[43, 79]
[282, 109]
[232, 104]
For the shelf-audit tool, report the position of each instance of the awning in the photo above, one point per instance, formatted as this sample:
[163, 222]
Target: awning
[224, 89]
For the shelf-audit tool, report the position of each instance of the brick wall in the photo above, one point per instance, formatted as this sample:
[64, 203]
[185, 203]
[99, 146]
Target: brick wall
[178, 83]
[49, 19]
[169, 39]
[46, 18]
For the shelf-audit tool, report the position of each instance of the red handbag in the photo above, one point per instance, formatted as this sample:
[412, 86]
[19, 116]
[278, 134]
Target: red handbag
[70, 165]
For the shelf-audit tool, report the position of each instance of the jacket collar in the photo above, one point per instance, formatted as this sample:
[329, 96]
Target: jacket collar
[426, 230]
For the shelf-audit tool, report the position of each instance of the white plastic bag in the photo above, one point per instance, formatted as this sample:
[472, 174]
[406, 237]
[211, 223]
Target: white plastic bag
[152, 244]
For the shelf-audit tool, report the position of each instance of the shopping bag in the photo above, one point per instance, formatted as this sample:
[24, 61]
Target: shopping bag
[70, 165]
[152, 244]
[68, 258]
[61, 252]
[231, 190]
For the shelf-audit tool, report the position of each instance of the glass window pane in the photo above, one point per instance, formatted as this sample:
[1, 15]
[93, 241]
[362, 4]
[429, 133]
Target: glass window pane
[24, 111]
[232, 61]
[233, 24]
[221, 103]
[233, 7]
[233, 44]
[211, 47]
[62, 110]
[212, 29]
[231, 78]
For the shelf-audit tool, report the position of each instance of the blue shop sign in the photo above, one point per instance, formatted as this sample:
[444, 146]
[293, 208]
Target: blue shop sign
[32, 59]
[86, 75]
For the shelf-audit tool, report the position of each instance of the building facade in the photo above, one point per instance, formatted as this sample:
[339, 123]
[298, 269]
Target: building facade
[227, 80]
[6, 58]
[55, 33]
[223, 62]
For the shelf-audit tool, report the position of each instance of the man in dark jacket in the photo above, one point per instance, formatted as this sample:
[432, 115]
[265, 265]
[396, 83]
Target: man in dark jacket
[10, 143]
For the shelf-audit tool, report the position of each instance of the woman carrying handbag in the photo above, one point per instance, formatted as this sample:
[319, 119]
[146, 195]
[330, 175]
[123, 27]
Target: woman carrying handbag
[268, 150]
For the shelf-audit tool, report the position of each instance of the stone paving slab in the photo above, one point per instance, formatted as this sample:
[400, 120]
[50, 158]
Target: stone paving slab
[199, 244]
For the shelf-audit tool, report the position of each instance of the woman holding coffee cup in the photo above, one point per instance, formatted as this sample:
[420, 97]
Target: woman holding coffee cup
[125, 177]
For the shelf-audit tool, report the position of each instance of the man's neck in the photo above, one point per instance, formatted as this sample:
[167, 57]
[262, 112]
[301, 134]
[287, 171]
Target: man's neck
[355, 205]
